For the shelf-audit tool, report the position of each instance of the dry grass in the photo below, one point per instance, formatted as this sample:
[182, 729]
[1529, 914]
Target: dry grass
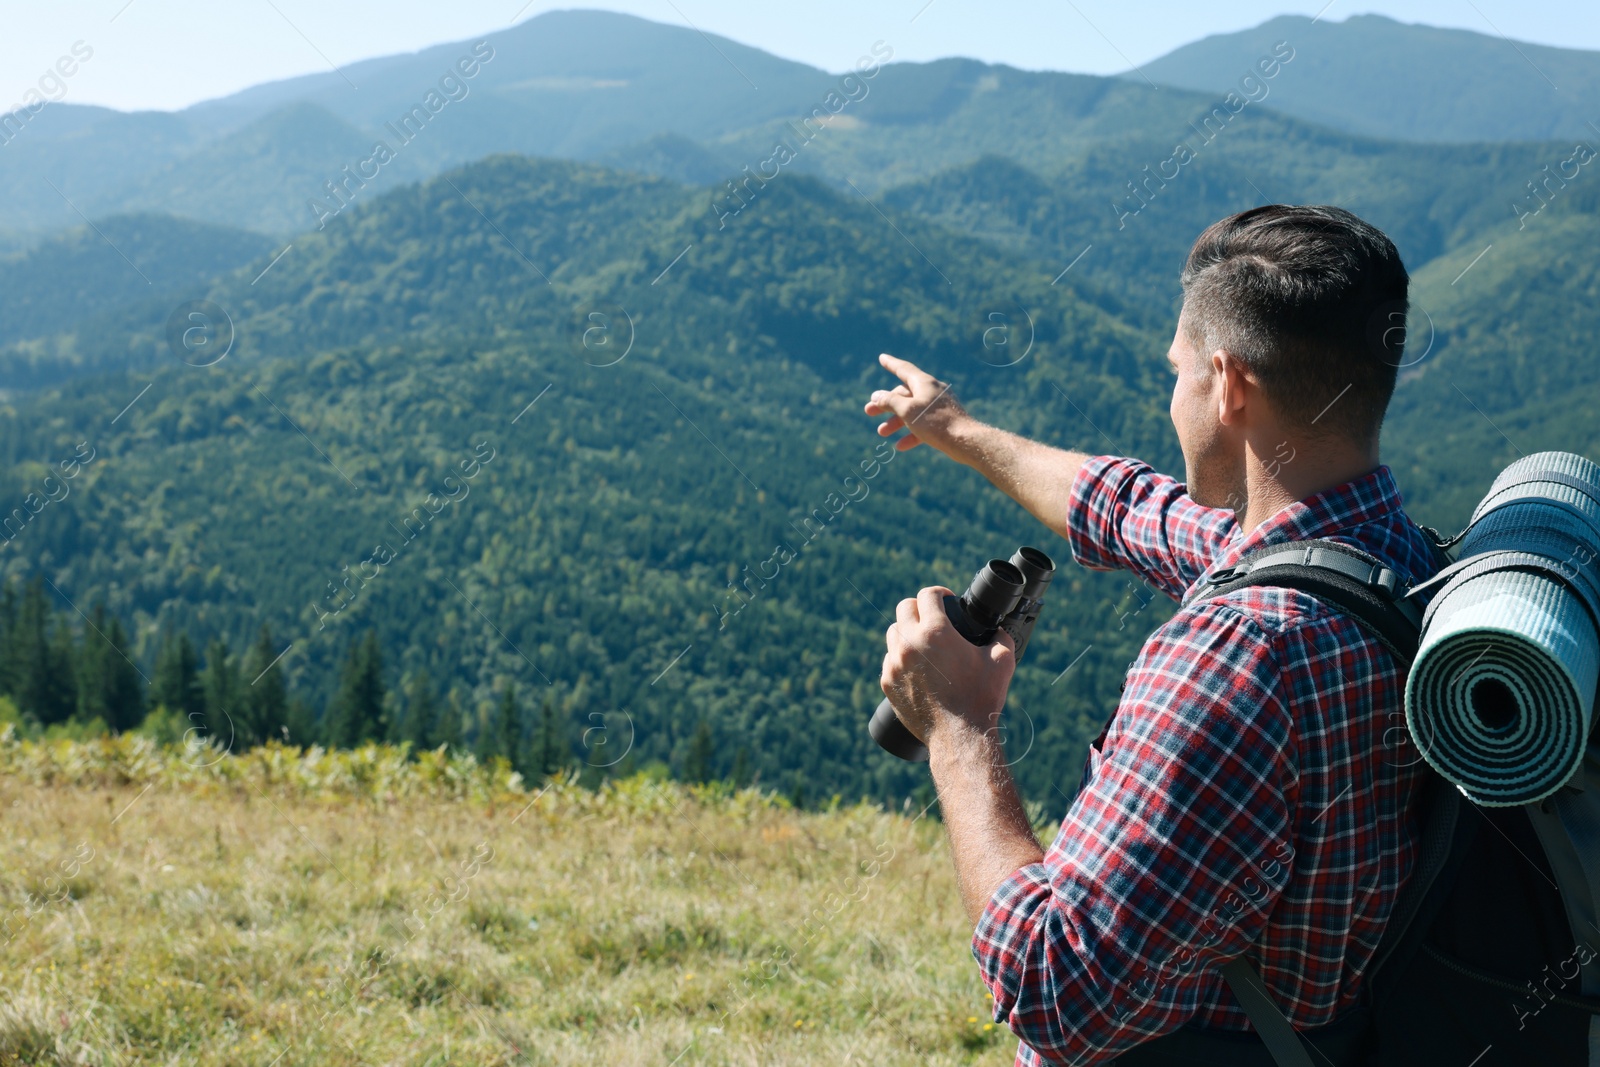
[282, 909]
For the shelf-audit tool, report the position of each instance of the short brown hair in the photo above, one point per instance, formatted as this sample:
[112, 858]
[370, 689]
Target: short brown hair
[1312, 300]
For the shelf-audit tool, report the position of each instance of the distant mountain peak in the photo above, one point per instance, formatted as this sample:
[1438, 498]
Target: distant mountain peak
[1374, 75]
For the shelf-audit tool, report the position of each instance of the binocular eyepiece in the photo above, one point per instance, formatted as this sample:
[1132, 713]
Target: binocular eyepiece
[994, 592]
[1004, 594]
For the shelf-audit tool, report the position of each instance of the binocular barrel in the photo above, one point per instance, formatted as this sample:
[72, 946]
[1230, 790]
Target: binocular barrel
[1003, 594]
[1037, 569]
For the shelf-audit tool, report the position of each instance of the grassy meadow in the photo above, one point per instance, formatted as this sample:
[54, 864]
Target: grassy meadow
[279, 907]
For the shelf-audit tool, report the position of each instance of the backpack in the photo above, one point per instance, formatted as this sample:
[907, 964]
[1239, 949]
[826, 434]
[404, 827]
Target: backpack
[1494, 942]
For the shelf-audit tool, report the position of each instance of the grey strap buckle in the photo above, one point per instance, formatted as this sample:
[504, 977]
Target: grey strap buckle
[1374, 575]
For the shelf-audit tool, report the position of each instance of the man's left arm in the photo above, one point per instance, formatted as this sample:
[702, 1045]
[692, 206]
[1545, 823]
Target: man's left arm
[950, 693]
[1113, 936]
[990, 836]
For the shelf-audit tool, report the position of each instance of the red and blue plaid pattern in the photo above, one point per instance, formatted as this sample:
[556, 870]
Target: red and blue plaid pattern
[1252, 794]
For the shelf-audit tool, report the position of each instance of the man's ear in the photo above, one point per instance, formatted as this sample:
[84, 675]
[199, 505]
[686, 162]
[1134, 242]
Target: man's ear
[1233, 384]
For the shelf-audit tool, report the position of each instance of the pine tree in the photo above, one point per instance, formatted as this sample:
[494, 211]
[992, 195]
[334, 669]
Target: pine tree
[220, 686]
[43, 655]
[422, 712]
[109, 685]
[501, 733]
[550, 750]
[127, 683]
[300, 726]
[697, 764]
[177, 682]
[266, 696]
[8, 639]
[508, 728]
[92, 672]
[357, 713]
[447, 726]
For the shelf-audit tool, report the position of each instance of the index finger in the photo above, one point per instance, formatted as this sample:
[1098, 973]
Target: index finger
[903, 369]
[930, 606]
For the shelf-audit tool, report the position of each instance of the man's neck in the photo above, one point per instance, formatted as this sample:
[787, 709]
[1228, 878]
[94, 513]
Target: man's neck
[1290, 472]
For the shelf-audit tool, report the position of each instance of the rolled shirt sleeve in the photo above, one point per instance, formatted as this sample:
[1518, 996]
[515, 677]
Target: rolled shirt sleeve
[1123, 515]
[1170, 859]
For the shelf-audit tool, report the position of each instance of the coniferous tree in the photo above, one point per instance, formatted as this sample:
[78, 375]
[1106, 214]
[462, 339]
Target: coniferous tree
[266, 696]
[126, 698]
[220, 685]
[422, 712]
[799, 788]
[508, 732]
[447, 726]
[697, 764]
[109, 685]
[177, 682]
[91, 670]
[500, 734]
[550, 750]
[357, 714]
[45, 689]
[8, 639]
[300, 726]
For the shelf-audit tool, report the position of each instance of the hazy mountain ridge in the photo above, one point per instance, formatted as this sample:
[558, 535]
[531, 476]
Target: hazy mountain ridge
[1372, 75]
[586, 84]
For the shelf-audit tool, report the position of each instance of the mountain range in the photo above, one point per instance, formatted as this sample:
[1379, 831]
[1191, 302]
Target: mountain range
[656, 377]
[601, 86]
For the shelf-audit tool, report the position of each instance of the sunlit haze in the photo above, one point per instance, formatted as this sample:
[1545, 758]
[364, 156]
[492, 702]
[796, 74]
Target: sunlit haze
[167, 54]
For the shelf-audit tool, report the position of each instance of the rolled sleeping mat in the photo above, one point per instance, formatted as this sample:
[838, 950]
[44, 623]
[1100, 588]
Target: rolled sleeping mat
[1500, 699]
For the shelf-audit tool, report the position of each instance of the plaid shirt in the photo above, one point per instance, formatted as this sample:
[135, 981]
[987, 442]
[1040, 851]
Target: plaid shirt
[1251, 795]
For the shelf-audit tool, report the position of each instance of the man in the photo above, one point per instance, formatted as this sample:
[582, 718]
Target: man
[1244, 799]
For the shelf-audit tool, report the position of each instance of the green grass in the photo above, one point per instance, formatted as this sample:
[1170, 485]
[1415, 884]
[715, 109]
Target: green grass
[294, 907]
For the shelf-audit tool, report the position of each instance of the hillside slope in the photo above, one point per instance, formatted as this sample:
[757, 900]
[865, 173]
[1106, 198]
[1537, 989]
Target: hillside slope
[93, 270]
[1430, 199]
[1372, 75]
[1512, 369]
[594, 554]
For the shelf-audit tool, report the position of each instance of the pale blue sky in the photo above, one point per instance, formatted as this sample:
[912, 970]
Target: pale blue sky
[171, 53]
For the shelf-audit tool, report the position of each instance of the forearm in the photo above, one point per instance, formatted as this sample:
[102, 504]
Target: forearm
[990, 836]
[1037, 476]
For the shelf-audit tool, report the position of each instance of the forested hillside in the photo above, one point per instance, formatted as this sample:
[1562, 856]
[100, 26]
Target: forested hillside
[566, 462]
[103, 267]
[594, 552]
[1514, 367]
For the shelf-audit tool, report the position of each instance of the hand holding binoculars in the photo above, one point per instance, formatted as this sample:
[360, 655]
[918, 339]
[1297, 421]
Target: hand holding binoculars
[1004, 594]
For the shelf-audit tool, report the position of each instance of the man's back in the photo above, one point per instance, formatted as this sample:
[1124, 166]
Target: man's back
[1252, 792]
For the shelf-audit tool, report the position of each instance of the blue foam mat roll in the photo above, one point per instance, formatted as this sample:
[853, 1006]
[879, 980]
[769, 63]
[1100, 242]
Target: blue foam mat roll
[1500, 699]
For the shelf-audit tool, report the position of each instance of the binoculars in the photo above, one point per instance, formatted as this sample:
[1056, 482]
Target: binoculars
[1004, 595]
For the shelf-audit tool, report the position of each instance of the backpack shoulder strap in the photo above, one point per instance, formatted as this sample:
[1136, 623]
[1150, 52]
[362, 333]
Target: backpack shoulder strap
[1347, 579]
[1271, 1024]
[1373, 594]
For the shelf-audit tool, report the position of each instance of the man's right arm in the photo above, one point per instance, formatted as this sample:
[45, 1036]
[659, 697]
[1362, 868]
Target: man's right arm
[1119, 515]
[1037, 476]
